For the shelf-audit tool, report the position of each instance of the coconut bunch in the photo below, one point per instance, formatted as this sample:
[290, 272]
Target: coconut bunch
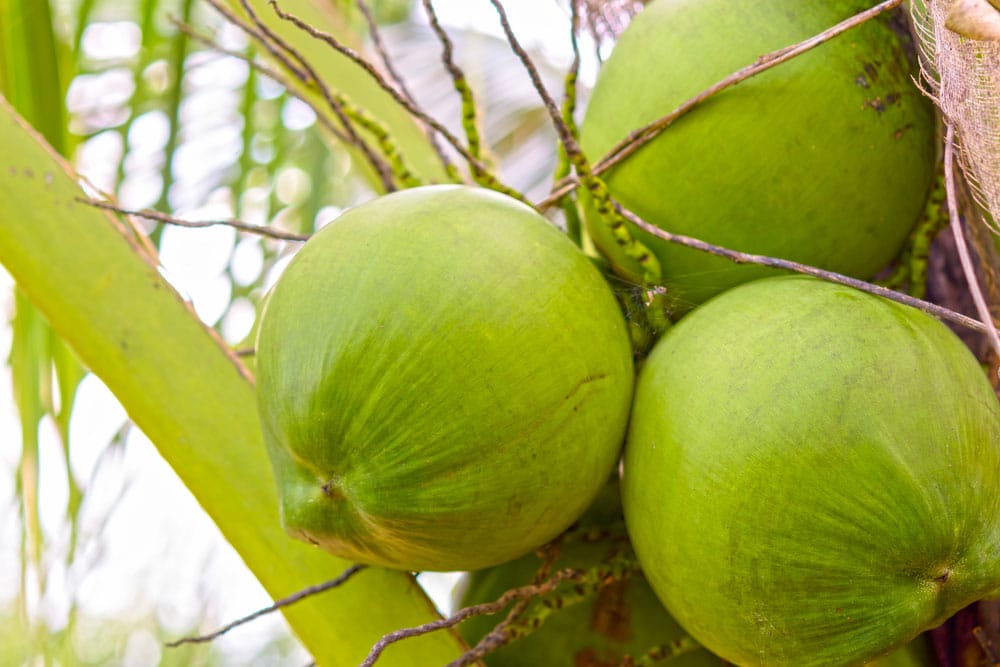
[809, 472]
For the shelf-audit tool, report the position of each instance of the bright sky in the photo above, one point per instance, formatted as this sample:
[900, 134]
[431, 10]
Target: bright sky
[159, 552]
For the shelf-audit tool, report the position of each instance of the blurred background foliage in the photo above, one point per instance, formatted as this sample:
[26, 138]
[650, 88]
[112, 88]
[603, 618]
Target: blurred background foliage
[156, 118]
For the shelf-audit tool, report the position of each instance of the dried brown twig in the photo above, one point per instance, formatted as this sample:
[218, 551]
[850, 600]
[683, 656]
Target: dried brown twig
[283, 602]
[273, 74]
[778, 263]
[261, 230]
[521, 593]
[499, 635]
[335, 101]
[259, 37]
[380, 48]
[640, 137]
[631, 246]
[285, 53]
[494, 639]
[618, 566]
[565, 134]
[398, 81]
[963, 250]
[397, 92]
[471, 154]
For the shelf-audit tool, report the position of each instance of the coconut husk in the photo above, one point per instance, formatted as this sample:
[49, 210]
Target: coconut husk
[960, 49]
[959, 44]
[606, 19]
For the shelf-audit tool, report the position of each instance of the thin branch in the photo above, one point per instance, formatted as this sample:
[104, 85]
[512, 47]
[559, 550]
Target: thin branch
[494, 639]
[650, 131]
[368, 120]
[521, 593]
[283, 602]
[335, 102]
[260, 38]
[963, 249]
[333, 43]
[632, 247]
[617, 567]
[261, 230]
[499, 635]
[565, 186]
[470, 111]
[399, 82]
[269, 72]
[481, 171]
[283, 51]
[777, 263]
[383, 52]
[565, 134]
[640, 137]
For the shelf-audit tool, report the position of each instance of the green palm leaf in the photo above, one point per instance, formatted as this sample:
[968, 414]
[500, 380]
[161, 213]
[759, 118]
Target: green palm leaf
[102, 291]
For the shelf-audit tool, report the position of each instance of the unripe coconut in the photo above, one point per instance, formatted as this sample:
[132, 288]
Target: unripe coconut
[812, 474]
[443, 381]
[623, 618]
[825, 159]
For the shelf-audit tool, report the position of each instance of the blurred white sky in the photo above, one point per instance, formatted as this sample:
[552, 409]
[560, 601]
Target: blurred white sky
[159, 552]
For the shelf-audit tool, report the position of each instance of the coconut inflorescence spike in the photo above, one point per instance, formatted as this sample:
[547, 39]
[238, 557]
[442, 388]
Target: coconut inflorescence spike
[619, 619]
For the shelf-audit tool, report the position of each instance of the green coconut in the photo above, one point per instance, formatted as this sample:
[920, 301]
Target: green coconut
[825, 159]
[812, 474]
[624, 618]
[443, 381]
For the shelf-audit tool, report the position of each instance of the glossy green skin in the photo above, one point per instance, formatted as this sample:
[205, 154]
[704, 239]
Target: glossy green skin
[825, 159]
[812, 474]
[444, 382]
